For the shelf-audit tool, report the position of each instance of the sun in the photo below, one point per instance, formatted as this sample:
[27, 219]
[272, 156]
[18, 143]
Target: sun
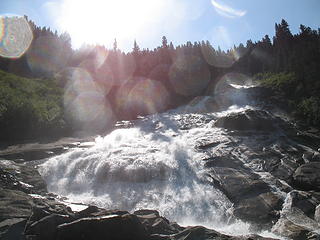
[101, 21]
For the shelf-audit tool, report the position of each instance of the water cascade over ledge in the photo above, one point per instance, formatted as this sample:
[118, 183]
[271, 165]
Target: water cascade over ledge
[184, 165]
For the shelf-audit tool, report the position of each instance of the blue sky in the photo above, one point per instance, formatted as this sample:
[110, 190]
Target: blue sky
[222, 22]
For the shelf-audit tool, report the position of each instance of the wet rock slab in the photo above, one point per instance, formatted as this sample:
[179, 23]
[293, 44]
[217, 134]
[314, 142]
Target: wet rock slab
[101, 224]
[253, 199]
[36, 151]
[307, 176]
[257, 120]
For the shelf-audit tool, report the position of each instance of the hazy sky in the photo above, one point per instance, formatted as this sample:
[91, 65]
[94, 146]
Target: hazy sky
[222, 22]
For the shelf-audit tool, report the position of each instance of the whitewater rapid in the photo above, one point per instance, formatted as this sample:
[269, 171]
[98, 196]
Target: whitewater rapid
[153, 165]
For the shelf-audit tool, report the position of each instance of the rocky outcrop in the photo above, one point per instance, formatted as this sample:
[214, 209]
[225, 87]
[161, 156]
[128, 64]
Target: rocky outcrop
[290, 230]
[20, 186]
[22, 177]
[36, 150]
[100, 224]
[257, 120]
[125, 226]
[299, 218]
[259, 176]
[307, 176]
[253, 199]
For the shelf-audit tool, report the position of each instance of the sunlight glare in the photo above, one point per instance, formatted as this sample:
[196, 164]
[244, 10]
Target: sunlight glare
[100, 22]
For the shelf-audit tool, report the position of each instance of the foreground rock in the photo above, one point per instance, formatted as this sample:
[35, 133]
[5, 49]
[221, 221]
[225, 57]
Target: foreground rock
[20, 186]
[98, 224]
[299, 218]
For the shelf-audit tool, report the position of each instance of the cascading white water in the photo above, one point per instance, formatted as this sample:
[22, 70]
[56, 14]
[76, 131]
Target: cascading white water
[151, 166]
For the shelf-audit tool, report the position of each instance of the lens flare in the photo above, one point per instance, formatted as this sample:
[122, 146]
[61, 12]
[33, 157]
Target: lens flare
[86, 104]
[15, 36]
[238, 80]
[151, 96]
[96, 54]
[125, 69]
[217, 59]
[159, 72]
[101, 55]
[226, 90]
[189, 75]
[141, 97]
[105, 78]
[47, 55]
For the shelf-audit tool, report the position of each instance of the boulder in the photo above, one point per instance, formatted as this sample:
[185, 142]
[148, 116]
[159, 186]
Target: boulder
[248, 120]
[298, 218]
[288, 229]
[303, 201]
[155, 224]
[263, 208]
[22, 177]
[12, 228]
[202, 233]
[307, 176]
[108, 227]
[14, 204]
[46, 227]
[315, 157]
[253, 200]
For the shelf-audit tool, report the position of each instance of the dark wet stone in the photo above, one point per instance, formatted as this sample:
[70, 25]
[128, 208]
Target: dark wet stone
[317, 214]
[17, 176]
[46, 228]
[304, 201]
[307, 176]
[14, 204]
[290, 230]
[111, 227]
[12, 229]
[252, 198]
[248, 120]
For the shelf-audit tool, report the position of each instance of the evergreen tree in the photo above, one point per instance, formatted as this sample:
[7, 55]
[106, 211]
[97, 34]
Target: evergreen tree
[115, 45]
[164, 42]
[136, 48]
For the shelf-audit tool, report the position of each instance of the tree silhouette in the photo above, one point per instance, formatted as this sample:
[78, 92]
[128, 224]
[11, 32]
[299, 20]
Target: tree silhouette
[136, 48]
[164, 42]
[115, 45]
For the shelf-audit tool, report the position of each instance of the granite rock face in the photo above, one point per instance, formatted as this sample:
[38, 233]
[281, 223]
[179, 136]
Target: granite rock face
[102, 224]
[307, 176]
[257, 120]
